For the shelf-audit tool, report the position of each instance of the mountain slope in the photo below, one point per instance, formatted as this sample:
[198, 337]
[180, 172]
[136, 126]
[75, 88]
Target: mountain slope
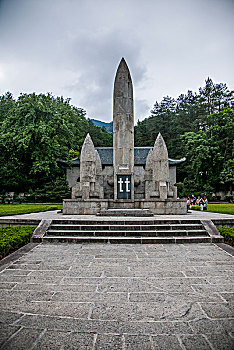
[107, 126]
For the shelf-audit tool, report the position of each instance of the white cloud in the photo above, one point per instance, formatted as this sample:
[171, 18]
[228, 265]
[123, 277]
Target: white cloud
[73, 47]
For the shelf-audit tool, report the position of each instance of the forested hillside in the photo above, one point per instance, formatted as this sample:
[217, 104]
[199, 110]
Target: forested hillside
[108, 126]
[199, 126]
[36, 131]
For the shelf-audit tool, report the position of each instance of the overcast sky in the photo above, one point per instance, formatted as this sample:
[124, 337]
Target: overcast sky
[72, 48]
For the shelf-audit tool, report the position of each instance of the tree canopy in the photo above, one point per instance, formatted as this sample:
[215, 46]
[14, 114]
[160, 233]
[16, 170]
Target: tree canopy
[35, 132]
[38, 130]
[199, 126]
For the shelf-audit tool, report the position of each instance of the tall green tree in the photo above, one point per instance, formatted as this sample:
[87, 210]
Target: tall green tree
[210, 152]
[37, 131]
[160, 120]
[198, 117]
[6, 103]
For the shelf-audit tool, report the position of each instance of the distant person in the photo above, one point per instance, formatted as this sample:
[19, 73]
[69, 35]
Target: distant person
[201, 203]
[193, 200]
[188, 203]
[205, 203]
[198, 200]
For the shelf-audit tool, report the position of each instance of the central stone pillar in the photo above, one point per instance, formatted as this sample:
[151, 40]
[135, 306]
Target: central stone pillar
[123, 134]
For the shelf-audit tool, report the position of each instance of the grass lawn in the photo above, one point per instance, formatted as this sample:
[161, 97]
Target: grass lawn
[221, 208]
[13, 209]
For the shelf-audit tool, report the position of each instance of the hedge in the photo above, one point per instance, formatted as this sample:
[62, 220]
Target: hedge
[228, 234]
[12, 238]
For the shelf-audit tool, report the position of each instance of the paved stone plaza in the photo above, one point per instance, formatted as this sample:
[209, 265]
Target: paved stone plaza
[55, 214]
[99, 296]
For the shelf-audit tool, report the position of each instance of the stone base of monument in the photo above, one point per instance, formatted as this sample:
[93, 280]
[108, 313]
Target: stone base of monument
[97, 206]
[84, 206]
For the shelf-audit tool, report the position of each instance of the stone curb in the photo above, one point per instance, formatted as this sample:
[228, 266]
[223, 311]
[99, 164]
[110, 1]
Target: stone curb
[212, 230]
[16, 255]
[18, 222]
[40, 231]
[229, 249]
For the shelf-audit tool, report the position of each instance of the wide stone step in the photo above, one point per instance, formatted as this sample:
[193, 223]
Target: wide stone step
[125, 212]
[127, 231]
[100, 233]
[125, 222]
[126, 227]
[130, 240]
[122, 205]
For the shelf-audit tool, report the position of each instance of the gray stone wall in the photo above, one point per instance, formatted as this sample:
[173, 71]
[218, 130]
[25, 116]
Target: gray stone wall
[139, 183]
[83, 206]
[108, 180]
[172, 174]
[73, 175]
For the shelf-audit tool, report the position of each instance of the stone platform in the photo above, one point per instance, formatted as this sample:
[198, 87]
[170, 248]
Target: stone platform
[96, 206]
[124, 297]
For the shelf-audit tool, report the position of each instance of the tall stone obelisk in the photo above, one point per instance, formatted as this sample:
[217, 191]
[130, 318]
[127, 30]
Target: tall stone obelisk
[123, 134]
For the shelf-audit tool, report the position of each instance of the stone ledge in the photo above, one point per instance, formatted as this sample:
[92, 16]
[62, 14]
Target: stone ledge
[16, 255]
[40, 231]
[229, 249]
[18, 222]
[223, 222]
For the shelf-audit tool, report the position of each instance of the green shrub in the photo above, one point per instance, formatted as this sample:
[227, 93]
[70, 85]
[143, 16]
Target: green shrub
[12, 238]
[228, 234]
[230, 198]
[180, 189]
[55, 192]
[195, 207]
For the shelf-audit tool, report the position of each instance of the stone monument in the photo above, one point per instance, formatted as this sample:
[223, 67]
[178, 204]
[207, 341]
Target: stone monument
[123, 177]
[91, 180]
[123, 134]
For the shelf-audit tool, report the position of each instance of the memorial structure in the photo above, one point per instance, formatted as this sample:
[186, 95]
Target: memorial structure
[123, 177]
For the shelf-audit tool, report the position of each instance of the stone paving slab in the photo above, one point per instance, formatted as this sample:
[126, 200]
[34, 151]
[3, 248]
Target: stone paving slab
[118, 297]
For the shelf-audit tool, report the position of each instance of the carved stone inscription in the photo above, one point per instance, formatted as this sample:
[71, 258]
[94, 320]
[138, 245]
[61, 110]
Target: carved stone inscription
[124, 186]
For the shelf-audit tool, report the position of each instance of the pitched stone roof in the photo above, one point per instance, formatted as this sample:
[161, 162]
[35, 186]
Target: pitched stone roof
[140, 155]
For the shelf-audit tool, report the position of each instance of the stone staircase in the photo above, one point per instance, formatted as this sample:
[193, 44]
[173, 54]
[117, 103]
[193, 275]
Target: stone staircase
[151, 231]
[126, 212]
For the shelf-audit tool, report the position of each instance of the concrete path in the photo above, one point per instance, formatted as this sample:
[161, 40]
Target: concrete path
[118, 297]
